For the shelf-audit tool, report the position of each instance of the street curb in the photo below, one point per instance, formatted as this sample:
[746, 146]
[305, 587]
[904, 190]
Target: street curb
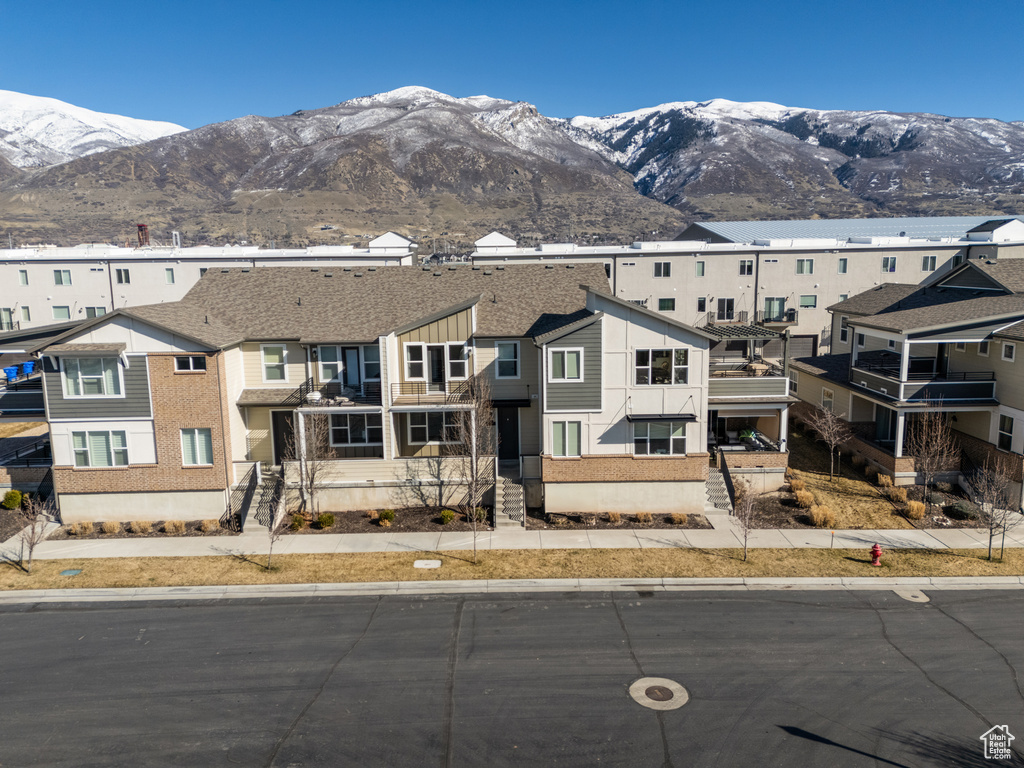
[499, 586]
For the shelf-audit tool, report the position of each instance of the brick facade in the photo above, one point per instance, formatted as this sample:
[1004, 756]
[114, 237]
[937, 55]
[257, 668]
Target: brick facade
[181, 400]
[755, 459]
[982, 452]
[22, 478]
[624, 468]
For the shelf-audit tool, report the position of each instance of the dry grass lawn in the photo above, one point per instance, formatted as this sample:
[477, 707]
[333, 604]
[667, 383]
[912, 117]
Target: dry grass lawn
[504, 564]
[12, 428]
[856, 502]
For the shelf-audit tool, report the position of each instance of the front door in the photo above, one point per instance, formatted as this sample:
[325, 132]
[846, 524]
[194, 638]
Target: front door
[508, 434]
[281, 434]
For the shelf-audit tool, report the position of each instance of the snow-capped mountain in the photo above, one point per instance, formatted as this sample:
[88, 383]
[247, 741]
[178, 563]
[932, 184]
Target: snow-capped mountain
[36, 131]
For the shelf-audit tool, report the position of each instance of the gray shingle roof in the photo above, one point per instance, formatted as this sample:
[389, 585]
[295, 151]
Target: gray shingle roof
[842, 229]
[279, 303]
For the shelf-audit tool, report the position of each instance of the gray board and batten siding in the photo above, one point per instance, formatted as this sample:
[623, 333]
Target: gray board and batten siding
[578, 395]
[134, 404]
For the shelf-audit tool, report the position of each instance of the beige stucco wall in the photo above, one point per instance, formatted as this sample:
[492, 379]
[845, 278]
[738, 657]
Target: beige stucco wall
[630, 498]
[185, 505]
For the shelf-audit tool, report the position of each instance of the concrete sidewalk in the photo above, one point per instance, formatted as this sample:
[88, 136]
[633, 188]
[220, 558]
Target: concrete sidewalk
[725, 534]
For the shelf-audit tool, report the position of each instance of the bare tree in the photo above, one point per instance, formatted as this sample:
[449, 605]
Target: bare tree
[991, 486]
[275, 527]
[930, 441]
[310, 445]
[831, 430]
[472, 444]
[37, 515]
[744, 512]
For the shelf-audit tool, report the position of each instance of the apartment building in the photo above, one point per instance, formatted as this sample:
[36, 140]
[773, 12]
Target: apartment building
[777, 274]
[53, 285]
[952, 346]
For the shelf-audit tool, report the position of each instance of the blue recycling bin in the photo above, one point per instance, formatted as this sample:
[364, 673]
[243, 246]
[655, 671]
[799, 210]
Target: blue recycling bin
[28, 366]
[11, 372]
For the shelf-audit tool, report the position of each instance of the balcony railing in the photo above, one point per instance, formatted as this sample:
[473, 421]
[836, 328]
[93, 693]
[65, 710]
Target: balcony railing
[785, 317]
[723, 367]
[427, 393]
[730, 316]
[893, 372]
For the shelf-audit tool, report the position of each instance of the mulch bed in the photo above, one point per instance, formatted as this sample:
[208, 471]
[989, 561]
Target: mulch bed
[411, 520]
[537, 520]
[10, 523]
[191, 529]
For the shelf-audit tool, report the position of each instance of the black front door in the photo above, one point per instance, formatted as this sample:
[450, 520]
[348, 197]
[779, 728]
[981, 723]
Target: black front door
[508, 434]
[281, 428]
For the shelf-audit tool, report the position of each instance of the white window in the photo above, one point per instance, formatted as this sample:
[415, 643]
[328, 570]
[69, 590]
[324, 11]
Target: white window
[356, 429]
[6, 319]
[666, 305]
[700, 269]
[746, 266]
[983, 348]
[92, 377]
[565, 438]
[100, 449]
[458, 354]
[61, 313]
[22, 277]
[196, 447]
[275, 362]
[565, 365]
[1005, 433]
[26, 315]
[659, 438]
[662, 367]
[958, 260]
[888, 263]
[95, 311]
[793, 382]
[62, 277]
[843, 263]
[808, 302]
[169, 275]
[663, 269]
[827, 397]
[844, 330]
[1008, 352]
[415, 356]
[960, 346]
[927, 263]
[329, 358]
[371, 363]
[433, 427]
[805, 266]
[123, 276]
[507, 359]
[190, 363]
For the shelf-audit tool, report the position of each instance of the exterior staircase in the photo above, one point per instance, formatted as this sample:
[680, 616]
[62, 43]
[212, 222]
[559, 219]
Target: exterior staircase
[264, 504]
[509, 497]
[717, 491]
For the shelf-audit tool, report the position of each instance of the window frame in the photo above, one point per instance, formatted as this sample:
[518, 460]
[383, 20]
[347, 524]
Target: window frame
[22, 277]
[861, 341]
[746, 267]
[888, 265]
[26, 314]
[450, 360]
[564, 424]
[122, 276]
[445, 427]
[191, 364]
[408, 362]
[646, 426]
[195, 432]
[367, 427]
[667, 304]
[498, 360]
[113, 450]
[984, 344]
[1012, 349]
[320, 363]
[700, 269]
[168, 275]
[62, 277]
[662, 269]
[649, 367]
[931, 259]
[65, 379]
[844, 329]
[1006, 445]
[564, 352]
[843, 267]
[830, 398]
[959, 346]
[814, 301]
[702, 303]
[805, 266]
[264, 364]
[364, 361]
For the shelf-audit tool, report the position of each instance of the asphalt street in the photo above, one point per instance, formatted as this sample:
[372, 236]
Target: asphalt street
[775, 678]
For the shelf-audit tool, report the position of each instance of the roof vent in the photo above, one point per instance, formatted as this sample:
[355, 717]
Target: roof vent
[488, 272]
[570, 266]
[549, 266]
[427, 269]
[371, 269]
[500, 267]
[437, 274]
[358, 274]
[328, 274]
[315, 269]
[245, 269]
[475, 269]
[225, 270]
[452, 269]
[347, 269]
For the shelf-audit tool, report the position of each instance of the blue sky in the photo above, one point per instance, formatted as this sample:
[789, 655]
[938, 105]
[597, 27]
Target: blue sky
[195, 62]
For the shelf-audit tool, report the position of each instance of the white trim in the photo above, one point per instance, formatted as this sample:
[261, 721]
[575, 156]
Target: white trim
[1013, 352]
[518, 358]
[263, 363]
[347, 414]
[117, 367]
[564, 350]
[182, 432]
[340, 363]
[552, 439]
[422, 361]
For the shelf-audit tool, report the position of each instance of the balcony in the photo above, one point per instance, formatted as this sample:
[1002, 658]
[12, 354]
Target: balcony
[726, 316]
[923, 383]
[743, 379]
[430, 393]
[782, 317]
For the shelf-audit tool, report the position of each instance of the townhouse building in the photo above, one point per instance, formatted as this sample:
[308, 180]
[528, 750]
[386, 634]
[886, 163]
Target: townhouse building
[781, 275]
[44, 285]
[951, 346]
[160, 411]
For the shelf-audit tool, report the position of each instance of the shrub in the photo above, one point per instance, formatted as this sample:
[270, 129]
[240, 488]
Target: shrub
[324, 520]
[915, 510]
[796, 485]
[206, 526]
[373, 514]
[822, 517]
[739, 490]
[447, 516]
[944, 487]
[298, 523]
[110, 526]
[644, 517]
[884, 481]
[962, 510]
[937, 499]
[479, 515]
[615, 518]
[679, 518]
[898, 495]
[868, 469]
[385, 523]
[386, 516]
[804, 499]
[174, 526]
[140, 526]
[80, 529]
[12, 499]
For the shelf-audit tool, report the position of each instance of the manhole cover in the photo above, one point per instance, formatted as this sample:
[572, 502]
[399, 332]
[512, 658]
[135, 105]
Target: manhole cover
[658, 693]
